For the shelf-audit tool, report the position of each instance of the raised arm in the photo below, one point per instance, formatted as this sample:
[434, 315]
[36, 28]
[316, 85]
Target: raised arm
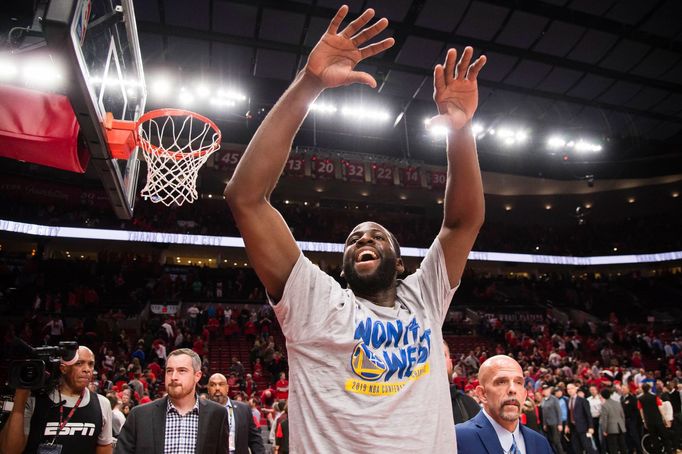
[269, 243]
[456, 95]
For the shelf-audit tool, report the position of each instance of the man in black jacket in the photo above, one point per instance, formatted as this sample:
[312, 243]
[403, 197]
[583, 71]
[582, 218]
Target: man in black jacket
[633, 422]
[649, 407]
[464, 407]
[180, 422]
[580, 425]
[243, 432]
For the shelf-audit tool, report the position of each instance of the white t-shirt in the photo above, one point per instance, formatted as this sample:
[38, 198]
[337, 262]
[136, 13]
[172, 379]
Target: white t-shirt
[118, 419]
[366, 378]
[105, 436]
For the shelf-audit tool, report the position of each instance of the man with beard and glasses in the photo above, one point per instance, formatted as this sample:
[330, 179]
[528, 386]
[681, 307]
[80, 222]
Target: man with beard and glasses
[71, 418]
[367, 369]
[497, 428]
[244, 435]
[180, 423]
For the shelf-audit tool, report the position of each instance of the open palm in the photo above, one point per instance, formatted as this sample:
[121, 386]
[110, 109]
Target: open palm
[456, 88]
[335, 56]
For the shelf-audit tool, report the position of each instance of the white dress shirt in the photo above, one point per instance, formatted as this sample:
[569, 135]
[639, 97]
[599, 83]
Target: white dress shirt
[505, 437]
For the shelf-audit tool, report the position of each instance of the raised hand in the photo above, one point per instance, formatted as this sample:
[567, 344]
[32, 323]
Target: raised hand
[455, 89]
[335, 56]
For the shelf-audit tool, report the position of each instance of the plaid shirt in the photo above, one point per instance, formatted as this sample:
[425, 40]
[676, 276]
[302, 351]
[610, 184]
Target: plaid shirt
[181, 431]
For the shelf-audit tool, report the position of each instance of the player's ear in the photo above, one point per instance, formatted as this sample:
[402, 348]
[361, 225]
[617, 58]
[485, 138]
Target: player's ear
[399, 266]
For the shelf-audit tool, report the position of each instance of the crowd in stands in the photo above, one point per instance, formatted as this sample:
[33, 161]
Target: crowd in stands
[105, 304]
[331, 221]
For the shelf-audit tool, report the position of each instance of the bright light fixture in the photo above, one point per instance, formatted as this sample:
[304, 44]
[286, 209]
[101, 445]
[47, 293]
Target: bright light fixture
[202, 90]
[323, 108]
[232, 94]
[219, 102]
[161, 87]
[42, 73]
[8, 69]
[359, 113]
[510, 136]
[579, 145]
[185, 97]
[555, 142]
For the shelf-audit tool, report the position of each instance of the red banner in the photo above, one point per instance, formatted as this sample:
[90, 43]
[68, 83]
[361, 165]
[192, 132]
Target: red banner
[438, 179]
[409, 176]
[322, 167]
[383, 173]
[227, 160]
[47, 193]
[353, 171]
[295, 166]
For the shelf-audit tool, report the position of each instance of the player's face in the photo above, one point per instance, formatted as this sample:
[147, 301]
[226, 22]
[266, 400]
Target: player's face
[503, 394]
[370, 264]
[78, 376]
[181, 378]
[218, 389]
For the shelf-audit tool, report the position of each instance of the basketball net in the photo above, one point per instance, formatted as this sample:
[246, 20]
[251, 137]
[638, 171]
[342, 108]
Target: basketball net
[176, 143]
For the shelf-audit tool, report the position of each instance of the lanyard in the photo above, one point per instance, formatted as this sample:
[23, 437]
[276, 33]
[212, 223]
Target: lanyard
[64, 422]
[230, 412]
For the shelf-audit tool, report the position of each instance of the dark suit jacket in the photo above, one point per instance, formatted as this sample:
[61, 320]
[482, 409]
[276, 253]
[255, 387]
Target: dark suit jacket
[581, 415]
[477, 436]
[144, 431]
[247, 435]
[463, 407]
[676, 402]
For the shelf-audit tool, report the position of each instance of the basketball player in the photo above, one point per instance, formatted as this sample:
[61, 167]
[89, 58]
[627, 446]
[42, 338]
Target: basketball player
[367, 368]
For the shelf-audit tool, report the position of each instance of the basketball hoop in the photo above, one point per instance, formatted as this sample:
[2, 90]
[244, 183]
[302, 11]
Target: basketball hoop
[176, 143]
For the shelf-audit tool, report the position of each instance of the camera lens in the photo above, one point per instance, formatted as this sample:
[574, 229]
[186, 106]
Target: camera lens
[29, 373]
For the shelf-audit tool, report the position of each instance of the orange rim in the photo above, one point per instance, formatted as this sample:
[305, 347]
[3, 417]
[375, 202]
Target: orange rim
[178, 155]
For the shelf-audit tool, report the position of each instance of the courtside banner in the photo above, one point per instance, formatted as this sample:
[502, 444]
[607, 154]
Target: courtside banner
[316, 246]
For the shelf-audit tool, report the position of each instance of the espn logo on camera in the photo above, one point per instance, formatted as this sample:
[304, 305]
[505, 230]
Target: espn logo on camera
[85, 429]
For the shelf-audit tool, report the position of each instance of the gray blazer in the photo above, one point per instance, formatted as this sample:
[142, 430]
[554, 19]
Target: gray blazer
[144, 431]
[551, 411]
[612, 418]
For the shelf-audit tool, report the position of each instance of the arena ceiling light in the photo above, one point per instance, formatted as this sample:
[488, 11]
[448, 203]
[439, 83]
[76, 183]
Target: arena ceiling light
[323, 108]
[42, 73]
[161, 86]
[231, 94]
[365, 113]
[8, 69]
[185, 97]
[510, 136]
[436, 131]
[202, 90]
[580, 145]
[478, 129]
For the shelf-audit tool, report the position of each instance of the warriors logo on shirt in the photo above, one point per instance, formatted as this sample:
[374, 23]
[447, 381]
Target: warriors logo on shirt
[366, 364]
[390, 352]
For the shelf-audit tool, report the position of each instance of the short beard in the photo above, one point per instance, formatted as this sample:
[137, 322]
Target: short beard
[222, 400]
[509, 415]
[381, 279]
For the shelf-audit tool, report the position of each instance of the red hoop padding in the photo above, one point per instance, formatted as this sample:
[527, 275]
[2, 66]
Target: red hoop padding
[40, 128]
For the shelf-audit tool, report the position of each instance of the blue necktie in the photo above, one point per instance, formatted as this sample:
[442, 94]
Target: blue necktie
[514, 449]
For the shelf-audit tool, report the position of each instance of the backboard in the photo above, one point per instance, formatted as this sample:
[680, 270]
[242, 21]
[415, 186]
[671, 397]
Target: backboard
[97, 39]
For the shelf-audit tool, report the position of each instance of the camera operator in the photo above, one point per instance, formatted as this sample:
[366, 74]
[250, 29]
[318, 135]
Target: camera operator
[71, 419]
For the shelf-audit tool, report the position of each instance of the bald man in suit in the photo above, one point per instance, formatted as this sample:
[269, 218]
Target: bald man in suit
[496, 428]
